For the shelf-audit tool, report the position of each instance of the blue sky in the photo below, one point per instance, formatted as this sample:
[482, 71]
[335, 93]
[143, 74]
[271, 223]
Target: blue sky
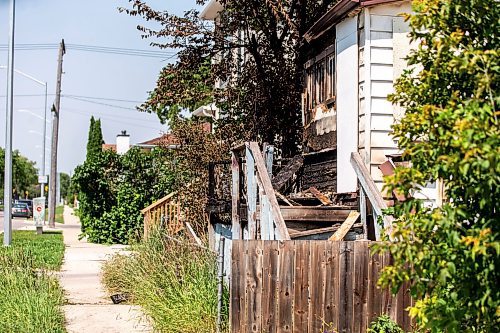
[95, 75]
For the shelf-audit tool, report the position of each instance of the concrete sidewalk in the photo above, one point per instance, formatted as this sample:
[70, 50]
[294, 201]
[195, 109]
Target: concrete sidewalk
[89, 308]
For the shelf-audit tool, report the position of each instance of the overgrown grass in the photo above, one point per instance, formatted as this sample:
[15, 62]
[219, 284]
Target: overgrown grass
[175, 284]
[59, 214]
[30, 298]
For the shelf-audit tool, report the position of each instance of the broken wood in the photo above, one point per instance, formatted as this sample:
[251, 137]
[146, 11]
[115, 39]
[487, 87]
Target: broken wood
[345, 227]
[298, 233]
[289, 202]
[314, 214]
[372, 193]
[320, 196]
[192, 234]
[268, 190]
[285, 174]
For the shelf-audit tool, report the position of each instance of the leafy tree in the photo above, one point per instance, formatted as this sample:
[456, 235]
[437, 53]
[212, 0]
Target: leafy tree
[450, 132]
[95, 140]
[65, 181]
[24, 173]
[257, 65]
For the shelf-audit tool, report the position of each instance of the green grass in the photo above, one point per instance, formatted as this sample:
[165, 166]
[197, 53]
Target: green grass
[176, 285]
[30, 297]
[59, 214]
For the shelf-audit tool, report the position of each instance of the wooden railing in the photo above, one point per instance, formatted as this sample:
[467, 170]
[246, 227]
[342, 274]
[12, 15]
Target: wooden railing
[368, 190]
[259, 191]
[166, 212]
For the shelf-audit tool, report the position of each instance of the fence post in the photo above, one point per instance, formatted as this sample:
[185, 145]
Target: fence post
[251, 194]
[220, 276]
[235, 199]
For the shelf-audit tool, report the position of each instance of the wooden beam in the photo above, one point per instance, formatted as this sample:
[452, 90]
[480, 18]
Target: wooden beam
[287, 172]
[158, 202]
[285, 200]
[268, 190]
[252, 193]
[314, 214]
[298, 234]
[235, 197]
[372, 193]
[320, 196]
[345, 227]
[193, 235]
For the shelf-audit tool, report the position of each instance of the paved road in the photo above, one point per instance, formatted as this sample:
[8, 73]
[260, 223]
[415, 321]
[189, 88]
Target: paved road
[17, 223]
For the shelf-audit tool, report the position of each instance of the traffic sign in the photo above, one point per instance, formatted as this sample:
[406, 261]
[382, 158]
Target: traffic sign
[42, 179]
[39, 211]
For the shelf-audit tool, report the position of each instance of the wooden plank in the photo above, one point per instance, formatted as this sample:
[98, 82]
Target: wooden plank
[158, 202]
[298, 234]
[302, 284]
[266, 223]
[285, 286]
[254, 283]
[270, 287]
[360, 295]
[268, 190]
[317, 290]
[371, 190]
[244, 286]
[320, 196]
[251, 194]
[287, 172]
[363, 211]
[320, 214]
[289, 202]
[334, 285]
[345, 227]
[193, 235]
[237, 275]
[346, 267]
[235, 197]
[268, 157]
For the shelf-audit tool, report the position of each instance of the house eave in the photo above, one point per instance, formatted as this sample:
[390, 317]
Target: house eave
[336, 14]
[211, 10]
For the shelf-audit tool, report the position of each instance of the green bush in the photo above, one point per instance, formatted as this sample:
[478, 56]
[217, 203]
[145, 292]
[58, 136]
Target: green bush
[175, 284]
[113, 189]
[451, 133]
[384, 324]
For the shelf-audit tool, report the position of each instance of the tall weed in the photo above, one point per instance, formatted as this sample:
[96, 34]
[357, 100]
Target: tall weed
[175, 284]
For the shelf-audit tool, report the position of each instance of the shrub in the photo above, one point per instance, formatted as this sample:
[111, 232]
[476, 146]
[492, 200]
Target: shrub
[174, 283]
[450, 132]
[384, 324]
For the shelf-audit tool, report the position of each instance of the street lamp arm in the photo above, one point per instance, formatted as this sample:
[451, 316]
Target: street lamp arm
[26, 75]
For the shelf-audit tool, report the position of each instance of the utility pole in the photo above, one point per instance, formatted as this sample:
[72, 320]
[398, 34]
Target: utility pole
[55, 138]
[7, 197]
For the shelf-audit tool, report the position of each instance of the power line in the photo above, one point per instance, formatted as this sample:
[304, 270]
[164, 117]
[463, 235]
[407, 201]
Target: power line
[108, 117]
[80, 96]
[100, 103]
[97, 49]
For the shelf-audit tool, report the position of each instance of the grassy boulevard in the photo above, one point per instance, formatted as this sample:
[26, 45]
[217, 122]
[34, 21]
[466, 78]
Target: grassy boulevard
[30, 296]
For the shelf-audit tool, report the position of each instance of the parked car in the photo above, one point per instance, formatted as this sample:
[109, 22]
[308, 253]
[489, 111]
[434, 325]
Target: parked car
[28, 202]
[20, 209]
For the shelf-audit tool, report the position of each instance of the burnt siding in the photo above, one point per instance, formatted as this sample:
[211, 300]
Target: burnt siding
[320, 171]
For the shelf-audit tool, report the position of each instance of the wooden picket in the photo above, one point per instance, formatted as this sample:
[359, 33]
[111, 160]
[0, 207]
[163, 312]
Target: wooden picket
[307, 286]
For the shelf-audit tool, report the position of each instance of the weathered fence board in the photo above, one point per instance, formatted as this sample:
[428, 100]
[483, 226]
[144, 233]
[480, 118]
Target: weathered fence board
[308, 286]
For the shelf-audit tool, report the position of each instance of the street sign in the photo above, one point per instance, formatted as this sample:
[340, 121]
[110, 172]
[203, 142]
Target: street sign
[39, 211]
[42, 179]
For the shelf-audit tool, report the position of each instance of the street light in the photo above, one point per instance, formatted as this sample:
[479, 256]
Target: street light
[7, 230]
[42, 183]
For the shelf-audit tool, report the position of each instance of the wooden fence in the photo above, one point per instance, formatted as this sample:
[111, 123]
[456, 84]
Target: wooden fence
[309, 286]
[167, 212]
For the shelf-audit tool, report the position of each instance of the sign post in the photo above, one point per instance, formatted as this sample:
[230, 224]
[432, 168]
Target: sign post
[39, 214]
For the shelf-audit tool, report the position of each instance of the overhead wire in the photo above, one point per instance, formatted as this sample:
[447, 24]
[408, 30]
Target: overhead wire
[96, 49]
